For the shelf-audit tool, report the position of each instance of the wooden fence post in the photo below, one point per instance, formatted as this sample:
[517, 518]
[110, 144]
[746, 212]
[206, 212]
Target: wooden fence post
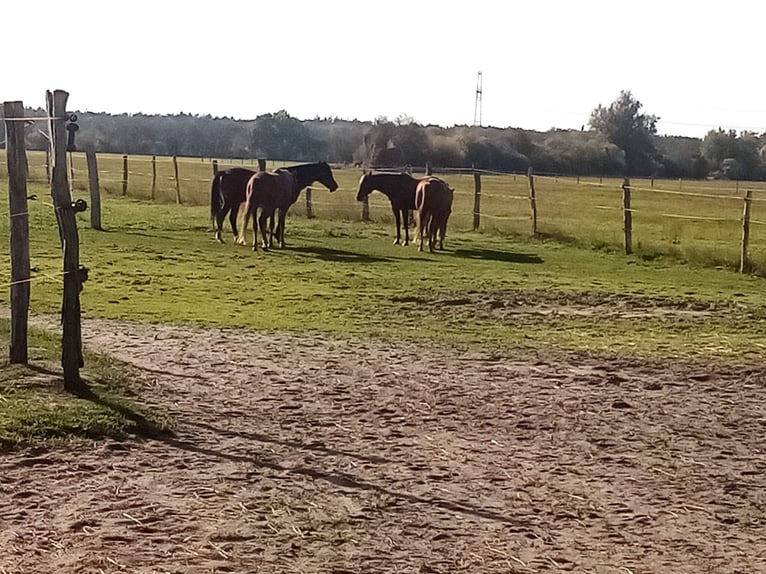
[71, 173]
[154, 177]
[95, 192]
[124, 175]
[476, 200]
[627, 216]
[532, 199]
[261, 164]
[17, 204]
[309, 207]
[71, 346]
[743, 261]
[429, 171]
[178, 182]
[215, 167]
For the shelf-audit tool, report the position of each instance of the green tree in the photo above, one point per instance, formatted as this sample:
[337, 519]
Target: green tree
[625, 126]
[733, 156]
[281, 136]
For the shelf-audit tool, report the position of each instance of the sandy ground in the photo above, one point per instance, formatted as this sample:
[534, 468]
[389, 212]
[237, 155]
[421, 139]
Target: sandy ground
[300, 454]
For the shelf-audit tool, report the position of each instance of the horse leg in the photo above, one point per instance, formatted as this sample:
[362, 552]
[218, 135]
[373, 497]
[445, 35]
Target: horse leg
[262, 221]
[233, 219]
[281, 228]
[398, 239]
[422, 222]
[241, 238]
[219, 217]
[405, 218]
[443, 231]
[433, 229]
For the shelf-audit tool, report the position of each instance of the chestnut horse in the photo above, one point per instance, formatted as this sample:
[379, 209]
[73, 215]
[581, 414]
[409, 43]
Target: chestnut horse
[227, 193]
[275, 192]
[400, 190]
[433, 202]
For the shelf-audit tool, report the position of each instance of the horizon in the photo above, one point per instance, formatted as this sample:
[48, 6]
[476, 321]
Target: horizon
[544, 66]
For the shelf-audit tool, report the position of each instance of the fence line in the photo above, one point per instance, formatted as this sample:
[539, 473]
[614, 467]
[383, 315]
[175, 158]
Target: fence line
[499, 188]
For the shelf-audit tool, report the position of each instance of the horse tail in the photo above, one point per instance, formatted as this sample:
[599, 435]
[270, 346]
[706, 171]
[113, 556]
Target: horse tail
[216, 199]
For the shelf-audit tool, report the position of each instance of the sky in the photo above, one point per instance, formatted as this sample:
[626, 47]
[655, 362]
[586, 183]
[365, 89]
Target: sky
[544, 63]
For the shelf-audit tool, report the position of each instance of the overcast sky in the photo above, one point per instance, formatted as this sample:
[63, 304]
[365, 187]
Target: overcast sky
[544, 63]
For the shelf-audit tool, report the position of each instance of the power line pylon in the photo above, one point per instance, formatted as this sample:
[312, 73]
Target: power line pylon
[477, 105]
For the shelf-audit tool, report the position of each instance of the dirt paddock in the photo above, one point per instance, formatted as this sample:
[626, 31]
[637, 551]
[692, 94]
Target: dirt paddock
[300, 454]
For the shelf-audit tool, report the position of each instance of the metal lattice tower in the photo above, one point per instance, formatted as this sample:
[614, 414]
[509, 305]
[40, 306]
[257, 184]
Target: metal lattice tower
[477, 105]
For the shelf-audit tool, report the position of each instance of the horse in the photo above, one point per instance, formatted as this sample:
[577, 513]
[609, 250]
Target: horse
[400, 190]
[276, 191]
[433, 202]
[227, 193]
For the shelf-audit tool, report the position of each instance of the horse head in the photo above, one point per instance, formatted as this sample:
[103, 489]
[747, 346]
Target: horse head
[325, 177]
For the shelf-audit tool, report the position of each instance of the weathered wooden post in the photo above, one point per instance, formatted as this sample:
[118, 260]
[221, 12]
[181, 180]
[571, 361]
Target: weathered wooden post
[124, 175]
[476, 200]
[261, 164]
[743, 260]
[71, 347]
[71, 173]
[309, 207]
[17, 203]
[95, 192]
[627, 216]
[178, 181]
[215, 167]
[429, 171]
[154, 177]
[532, 199]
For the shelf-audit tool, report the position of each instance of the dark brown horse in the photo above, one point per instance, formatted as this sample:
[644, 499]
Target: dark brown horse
[433, 202]
[400, 190]
[227, 193]
[274, 193]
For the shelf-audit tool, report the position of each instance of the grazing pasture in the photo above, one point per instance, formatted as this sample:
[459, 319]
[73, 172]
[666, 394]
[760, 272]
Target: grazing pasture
[694, 221]
[349, 405]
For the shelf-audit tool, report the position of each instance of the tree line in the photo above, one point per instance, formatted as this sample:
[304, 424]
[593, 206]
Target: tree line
[620, 140]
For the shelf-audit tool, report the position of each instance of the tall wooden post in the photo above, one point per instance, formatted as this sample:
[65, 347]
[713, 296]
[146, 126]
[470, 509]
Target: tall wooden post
[124, 175]
[178, 181]
[309, 206]
[532, 199]
[476, 200]
[743, 262]
[71, 173]
[95, 192]
[71, 347]
[627, 215]
[17, 203]
[154, 177]
[429, 170]
[215, 167]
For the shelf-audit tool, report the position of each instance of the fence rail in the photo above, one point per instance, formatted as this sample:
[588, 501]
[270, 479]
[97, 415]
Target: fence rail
[679, 216]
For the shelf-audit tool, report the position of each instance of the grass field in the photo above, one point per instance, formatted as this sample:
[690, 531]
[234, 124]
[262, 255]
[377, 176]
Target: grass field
[695, 221]
[496, 288]
[366, 407]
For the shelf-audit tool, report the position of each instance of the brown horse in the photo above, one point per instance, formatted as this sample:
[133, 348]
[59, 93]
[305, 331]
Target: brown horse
[433, 202]
[276, 192]
[400, 190]
[227, 193]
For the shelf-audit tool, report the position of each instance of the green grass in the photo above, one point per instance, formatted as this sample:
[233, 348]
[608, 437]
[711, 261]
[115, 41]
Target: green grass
[696, 221]
[158, 262]
[496, 289]
[35, 409]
